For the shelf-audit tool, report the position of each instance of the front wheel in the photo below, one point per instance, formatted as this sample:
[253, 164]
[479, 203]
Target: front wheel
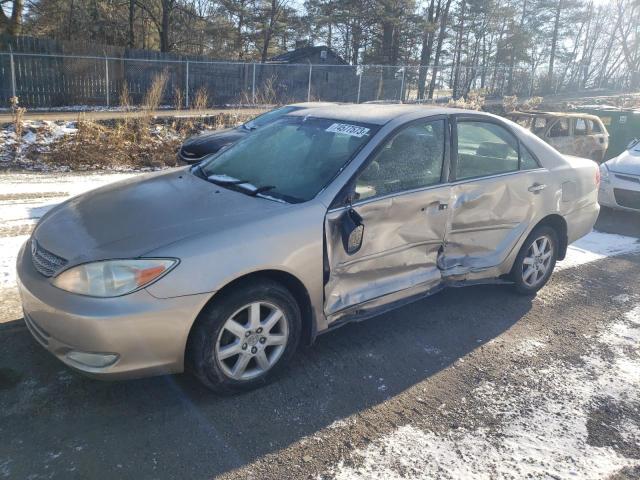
[536, 260]
[242, 338]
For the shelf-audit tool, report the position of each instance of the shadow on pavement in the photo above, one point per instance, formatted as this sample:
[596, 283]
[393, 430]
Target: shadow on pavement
[621, 222]
[56, 422]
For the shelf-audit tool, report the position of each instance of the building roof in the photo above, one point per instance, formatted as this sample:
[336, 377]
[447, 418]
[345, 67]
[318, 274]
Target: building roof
[300, 55]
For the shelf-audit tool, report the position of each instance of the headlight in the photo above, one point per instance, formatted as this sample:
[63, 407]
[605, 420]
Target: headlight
[604, 173]
[112, 278]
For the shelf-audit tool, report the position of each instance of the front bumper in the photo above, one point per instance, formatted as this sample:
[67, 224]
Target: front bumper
[136, 335]
[620, 193]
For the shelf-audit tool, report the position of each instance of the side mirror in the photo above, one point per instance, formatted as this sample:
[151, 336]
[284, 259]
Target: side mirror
[352, 231]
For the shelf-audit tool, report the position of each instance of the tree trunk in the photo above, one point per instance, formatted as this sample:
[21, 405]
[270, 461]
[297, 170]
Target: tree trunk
[132, 18]
[456, 74]
[427, 48]
[166, 25]
[268, 30]
[554, 41]
[436, 62]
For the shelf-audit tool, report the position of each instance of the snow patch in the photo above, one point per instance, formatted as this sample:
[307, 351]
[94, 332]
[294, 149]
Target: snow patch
[9, 247]
[622, 298]
[530, 347]
[598, 245]
[543, 431]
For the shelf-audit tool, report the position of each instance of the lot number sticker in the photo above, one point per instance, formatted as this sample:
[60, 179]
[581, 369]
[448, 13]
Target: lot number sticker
[346, 129]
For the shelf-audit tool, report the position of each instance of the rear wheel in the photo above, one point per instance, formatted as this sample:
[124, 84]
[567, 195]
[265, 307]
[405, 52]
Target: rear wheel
[536, 260]
[244, 337]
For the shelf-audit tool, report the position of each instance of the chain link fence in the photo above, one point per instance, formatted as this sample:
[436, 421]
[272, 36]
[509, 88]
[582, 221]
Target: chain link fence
[74, 81]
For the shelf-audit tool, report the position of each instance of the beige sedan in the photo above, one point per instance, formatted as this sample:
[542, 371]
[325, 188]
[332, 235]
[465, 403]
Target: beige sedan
[325, 216]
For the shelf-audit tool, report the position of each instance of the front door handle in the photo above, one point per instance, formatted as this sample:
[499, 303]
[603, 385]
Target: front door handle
[537, 187]
[443, 206]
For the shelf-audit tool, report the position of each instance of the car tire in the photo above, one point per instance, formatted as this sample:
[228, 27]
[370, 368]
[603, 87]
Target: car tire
[532, 267]
[219, 331]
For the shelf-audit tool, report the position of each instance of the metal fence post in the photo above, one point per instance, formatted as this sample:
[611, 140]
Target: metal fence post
[359, 86]
[186, 86]
[309, 86]
[13, 73]
[402, 84]
[253, 85]
[106, 79]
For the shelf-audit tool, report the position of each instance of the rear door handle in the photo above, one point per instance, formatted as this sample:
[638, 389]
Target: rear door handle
[435, 205]
[537, 187]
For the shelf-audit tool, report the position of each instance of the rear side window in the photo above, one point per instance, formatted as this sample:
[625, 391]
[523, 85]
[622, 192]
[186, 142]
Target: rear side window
[580, 127]
[560, 128]
[485, 149]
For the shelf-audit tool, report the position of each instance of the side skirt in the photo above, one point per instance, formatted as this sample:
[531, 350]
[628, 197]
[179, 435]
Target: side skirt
[378, 306]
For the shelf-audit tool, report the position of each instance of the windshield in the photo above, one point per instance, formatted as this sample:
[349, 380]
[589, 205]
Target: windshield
[266, 118]
[292, 159]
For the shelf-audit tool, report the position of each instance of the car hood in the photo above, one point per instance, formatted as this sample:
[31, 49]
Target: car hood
[627, 162]
[210, 142]
[130, 218]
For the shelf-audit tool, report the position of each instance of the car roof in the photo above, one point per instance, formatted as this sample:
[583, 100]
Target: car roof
[554, 115]
[375, 113]
[311, 104]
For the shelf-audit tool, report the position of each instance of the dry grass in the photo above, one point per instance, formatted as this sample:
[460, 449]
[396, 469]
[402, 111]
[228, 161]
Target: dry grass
[114, 146]
[532, 103]
[96, 146]
[178, 99]
[509, 103]
[473, 101]
[17, 113]
[201, 100]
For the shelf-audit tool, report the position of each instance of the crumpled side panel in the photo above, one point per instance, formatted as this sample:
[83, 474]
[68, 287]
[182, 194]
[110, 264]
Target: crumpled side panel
[402, 239]
[486, 220]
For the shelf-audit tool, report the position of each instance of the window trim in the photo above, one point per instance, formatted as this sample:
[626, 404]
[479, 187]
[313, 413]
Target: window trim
[341, 199]
[462, 117]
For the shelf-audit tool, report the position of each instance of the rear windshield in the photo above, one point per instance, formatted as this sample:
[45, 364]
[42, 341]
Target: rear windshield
[293, 157]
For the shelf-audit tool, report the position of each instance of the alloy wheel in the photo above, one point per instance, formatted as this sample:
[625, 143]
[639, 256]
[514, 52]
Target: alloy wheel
[535, 264]
[251, 341]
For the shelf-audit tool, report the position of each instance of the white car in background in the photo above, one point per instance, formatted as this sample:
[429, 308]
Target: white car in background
[620, 185]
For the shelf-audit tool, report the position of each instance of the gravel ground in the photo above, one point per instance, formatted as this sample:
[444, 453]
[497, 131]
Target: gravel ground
[470, 383]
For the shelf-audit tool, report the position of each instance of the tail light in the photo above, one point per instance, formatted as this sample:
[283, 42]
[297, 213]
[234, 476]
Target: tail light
[597, 176]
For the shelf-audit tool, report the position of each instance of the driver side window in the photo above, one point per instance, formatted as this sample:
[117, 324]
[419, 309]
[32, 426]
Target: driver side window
[411, 159]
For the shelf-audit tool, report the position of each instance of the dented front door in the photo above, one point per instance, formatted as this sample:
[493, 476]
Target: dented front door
[398, 224]
[402, 238]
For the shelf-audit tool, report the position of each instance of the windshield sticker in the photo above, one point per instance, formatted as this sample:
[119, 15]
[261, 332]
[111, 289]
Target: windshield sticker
[346, 129]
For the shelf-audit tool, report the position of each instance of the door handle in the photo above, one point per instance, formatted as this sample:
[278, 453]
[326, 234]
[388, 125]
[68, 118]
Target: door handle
[435, 205]
[537, 187]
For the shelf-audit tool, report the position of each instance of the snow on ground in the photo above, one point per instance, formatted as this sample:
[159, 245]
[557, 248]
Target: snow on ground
[24, 198]
[598, 245]
[36, 133]
[544, 427]
[9, 247]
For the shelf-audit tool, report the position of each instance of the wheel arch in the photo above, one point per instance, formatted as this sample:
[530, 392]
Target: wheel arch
[559, 224]
[286, 279]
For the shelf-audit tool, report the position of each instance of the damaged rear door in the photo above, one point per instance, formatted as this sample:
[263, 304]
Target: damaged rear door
[497, 190]
[383, 246]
